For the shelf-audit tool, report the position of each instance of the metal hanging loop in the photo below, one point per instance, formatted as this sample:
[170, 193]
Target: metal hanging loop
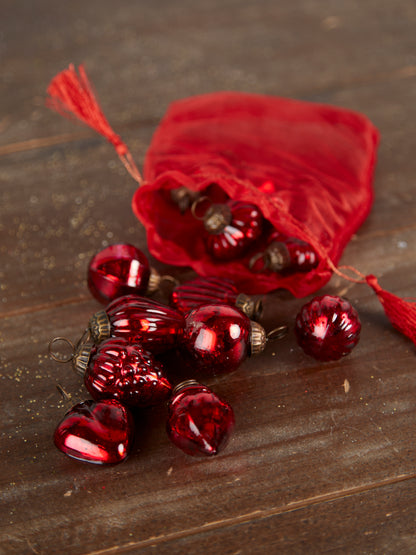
[197, 203]
[169, 280]
[253, 260]
[277, 333]
[54, 354]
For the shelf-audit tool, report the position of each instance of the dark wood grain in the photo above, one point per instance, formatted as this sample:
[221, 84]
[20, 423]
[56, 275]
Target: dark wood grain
[323, 455]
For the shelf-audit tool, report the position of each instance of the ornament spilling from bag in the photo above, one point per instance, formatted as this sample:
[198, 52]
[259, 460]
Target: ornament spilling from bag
[307, 167]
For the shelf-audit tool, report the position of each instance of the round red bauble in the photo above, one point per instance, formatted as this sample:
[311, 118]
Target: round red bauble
[217, 337]
[328, 328]
[231, 229]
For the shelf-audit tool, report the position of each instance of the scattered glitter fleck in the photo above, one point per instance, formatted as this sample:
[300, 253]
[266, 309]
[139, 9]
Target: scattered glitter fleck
[402, 244]
[331, 22]
[346, 385]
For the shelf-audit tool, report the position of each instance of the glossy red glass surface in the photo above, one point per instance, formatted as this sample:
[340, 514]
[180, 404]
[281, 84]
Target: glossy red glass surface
[244, 229]
[199, 422]
[118, 270]
[328, 328]
[126, 372]
[97, 432]
[216, 337]
[153, 325]
[302, 257]
[200, 291]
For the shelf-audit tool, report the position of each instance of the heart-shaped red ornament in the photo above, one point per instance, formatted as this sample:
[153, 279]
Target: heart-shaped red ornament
[97, 432]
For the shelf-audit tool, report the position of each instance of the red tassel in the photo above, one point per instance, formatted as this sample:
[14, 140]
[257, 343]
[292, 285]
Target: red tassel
[401, 313]
[72, 96]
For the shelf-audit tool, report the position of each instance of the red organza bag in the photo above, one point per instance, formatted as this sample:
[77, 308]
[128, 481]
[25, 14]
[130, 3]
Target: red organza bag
[308, 167]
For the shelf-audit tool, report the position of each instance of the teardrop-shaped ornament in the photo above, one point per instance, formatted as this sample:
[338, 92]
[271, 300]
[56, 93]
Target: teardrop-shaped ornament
[199, 422]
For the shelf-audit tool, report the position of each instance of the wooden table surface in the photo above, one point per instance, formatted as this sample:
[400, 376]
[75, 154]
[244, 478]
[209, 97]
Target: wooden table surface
[313, 465]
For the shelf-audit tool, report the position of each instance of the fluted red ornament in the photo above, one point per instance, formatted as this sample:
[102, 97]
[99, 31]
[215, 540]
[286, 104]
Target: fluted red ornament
[121, 269]
[231, 228]
[285, 255]
[210, 290]
[328, 328]
[199, 422]
[99, 432]
[118, 369]
[218, 338]
[139, 320]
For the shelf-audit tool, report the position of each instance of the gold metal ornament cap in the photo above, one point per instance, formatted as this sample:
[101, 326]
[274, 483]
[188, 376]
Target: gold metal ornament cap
[277, 257]
[81, 358]
[258, 338]
[183, 198]
[217, 217]
[154, 281]
[99, 326]
[183, 385]
[251, 307]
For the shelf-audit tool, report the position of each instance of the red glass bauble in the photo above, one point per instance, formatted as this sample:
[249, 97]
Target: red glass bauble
[328, 328]
[117, 369]
[118, 270]
[232, 228]
[199, 422]
[217, 337]
[139, 320]
[97, 432]
[285, 255]
[210, 290]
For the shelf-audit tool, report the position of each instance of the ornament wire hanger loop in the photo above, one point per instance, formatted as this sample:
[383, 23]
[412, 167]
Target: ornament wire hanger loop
[277, 333]
[85, 337]
[253, 261]
[197, 203]
[169, 280]
[55, 355]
